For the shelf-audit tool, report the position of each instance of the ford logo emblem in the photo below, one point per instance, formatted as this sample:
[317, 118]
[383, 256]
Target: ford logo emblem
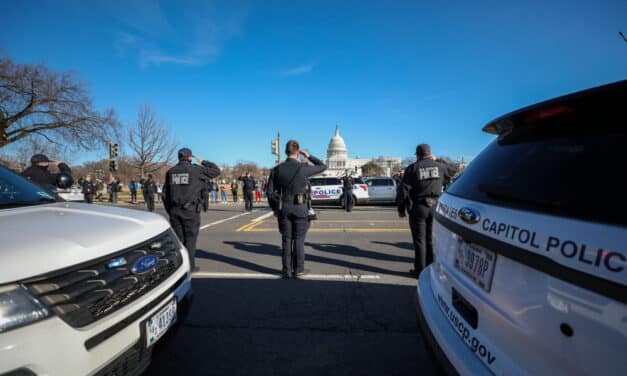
[144, 264]
[468, 215]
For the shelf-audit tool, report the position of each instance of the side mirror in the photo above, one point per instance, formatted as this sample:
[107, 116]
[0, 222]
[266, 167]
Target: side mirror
[64, 180]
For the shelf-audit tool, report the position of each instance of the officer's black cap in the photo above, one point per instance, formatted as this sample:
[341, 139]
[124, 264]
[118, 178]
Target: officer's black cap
[423, 149]
[39, 158]
[185, 153]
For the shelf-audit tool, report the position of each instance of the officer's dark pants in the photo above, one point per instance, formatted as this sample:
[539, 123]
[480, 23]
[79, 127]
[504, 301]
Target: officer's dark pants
[348, 201]
[150, 202]
[234, 194]
[421, 224]
[186, 224]
[293, 225]
[89, 198]
[133, 196]
[248, 200]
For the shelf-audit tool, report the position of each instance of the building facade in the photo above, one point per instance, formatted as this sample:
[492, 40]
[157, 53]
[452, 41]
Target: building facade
[338, 160]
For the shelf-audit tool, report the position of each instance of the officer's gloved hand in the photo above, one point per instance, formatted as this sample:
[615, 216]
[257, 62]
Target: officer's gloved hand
[401, 213]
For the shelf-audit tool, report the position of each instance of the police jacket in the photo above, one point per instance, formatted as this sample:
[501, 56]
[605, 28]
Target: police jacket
[422, 179]
[347, 183]
[290, 177]
[149, 187]
[42, 176]
[184, 183]
[115, 185]
[89, 187]
[248, 183]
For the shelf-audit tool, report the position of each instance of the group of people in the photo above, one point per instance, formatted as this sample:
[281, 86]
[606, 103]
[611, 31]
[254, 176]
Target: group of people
[287, 191]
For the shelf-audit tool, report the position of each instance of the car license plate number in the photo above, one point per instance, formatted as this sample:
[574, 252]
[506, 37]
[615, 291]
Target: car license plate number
[160, 322]
[477, 263]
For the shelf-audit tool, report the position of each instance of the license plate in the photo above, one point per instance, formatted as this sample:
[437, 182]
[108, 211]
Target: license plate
[477, 263]
[160, 322]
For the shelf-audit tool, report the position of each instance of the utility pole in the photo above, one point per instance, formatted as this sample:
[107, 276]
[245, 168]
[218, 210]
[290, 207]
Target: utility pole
[276, 147]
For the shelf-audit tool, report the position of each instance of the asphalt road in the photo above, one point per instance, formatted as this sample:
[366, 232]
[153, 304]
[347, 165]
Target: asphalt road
[353, 315]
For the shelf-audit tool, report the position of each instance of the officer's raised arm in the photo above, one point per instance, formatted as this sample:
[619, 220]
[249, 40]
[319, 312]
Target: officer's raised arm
[318, 165]
[209, 169]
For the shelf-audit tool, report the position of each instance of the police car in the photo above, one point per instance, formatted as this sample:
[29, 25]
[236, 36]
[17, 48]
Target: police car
[329, 190]
[84, 289]
[530, 270]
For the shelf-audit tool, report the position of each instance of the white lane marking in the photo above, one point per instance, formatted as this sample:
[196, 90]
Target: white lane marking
[261, 218]
[277, 276]
[236, 275]
[224, 220]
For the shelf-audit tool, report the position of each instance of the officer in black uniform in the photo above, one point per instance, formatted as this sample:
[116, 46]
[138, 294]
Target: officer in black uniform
[150, 189]
[288, 185]
[347, 188]
[420, 188]
[248, 186]
[89, 189]
[39, 174]
[181, 197]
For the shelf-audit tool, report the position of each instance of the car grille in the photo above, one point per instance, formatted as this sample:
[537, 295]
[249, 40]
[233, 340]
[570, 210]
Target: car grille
[133, 362]
[89, 292]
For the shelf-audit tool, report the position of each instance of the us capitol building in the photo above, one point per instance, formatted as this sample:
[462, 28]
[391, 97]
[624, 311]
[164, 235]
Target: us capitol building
[338, 161]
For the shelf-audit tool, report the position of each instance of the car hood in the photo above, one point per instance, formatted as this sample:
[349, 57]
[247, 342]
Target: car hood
[43, 238]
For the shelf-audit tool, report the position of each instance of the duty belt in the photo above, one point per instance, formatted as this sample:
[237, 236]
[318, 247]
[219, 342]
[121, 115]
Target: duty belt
[299, 198]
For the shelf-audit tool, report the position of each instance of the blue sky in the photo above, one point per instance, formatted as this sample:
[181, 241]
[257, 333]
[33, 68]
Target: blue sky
[228, 75]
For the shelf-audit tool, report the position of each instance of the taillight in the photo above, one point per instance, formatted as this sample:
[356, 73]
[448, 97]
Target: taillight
[364, 187]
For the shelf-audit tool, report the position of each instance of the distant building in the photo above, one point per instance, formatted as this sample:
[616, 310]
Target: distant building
[338, 160]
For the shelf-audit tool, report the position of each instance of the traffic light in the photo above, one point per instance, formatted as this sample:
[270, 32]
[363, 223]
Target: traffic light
[113, 165]
[113, 151]
[275, 147]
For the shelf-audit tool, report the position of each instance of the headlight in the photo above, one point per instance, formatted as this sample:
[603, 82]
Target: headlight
[18, 307]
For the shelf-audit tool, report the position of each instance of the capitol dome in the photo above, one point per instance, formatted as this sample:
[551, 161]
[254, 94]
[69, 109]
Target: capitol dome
[337, 147]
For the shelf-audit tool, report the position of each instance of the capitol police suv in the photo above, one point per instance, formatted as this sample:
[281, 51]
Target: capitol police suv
[530, 246]
[84, 289]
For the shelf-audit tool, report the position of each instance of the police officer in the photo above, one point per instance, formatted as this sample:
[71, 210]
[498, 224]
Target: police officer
[288, 183]
[347, 188]
[181, 197]
[150, 189]
[39, 174]
[420, 188]
[89, 189]
[248, 186]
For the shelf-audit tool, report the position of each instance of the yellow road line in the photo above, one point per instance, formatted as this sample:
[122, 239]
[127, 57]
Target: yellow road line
[249, 226]
[336, 230]
[359, 220]
[243, 228]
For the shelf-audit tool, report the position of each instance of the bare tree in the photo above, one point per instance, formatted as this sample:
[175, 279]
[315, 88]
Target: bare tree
[371, 169]
[37, 101]
[151, 142]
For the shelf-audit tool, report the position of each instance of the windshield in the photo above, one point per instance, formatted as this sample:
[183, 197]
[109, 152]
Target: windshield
[575, 174]
[17, 191]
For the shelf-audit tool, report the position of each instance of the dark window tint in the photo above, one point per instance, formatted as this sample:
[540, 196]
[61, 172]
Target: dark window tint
[16, 191]
[358, 180]
[382, 182]
[567, 168]
[333, 181]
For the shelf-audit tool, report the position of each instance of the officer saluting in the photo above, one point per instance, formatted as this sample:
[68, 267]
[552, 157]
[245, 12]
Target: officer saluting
[347, 189]
[419, 191]
[39, 174]
[288, 193]
[182, 201]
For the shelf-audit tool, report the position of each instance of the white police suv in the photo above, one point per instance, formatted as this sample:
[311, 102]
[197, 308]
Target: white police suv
[530, 270]
[329, 190]
[84, 289]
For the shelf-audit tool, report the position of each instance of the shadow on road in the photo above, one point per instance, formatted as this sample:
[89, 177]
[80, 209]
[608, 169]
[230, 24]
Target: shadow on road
[235, 262]
[296, 327]
[350, 250]
[404, 245]
[273, 250]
